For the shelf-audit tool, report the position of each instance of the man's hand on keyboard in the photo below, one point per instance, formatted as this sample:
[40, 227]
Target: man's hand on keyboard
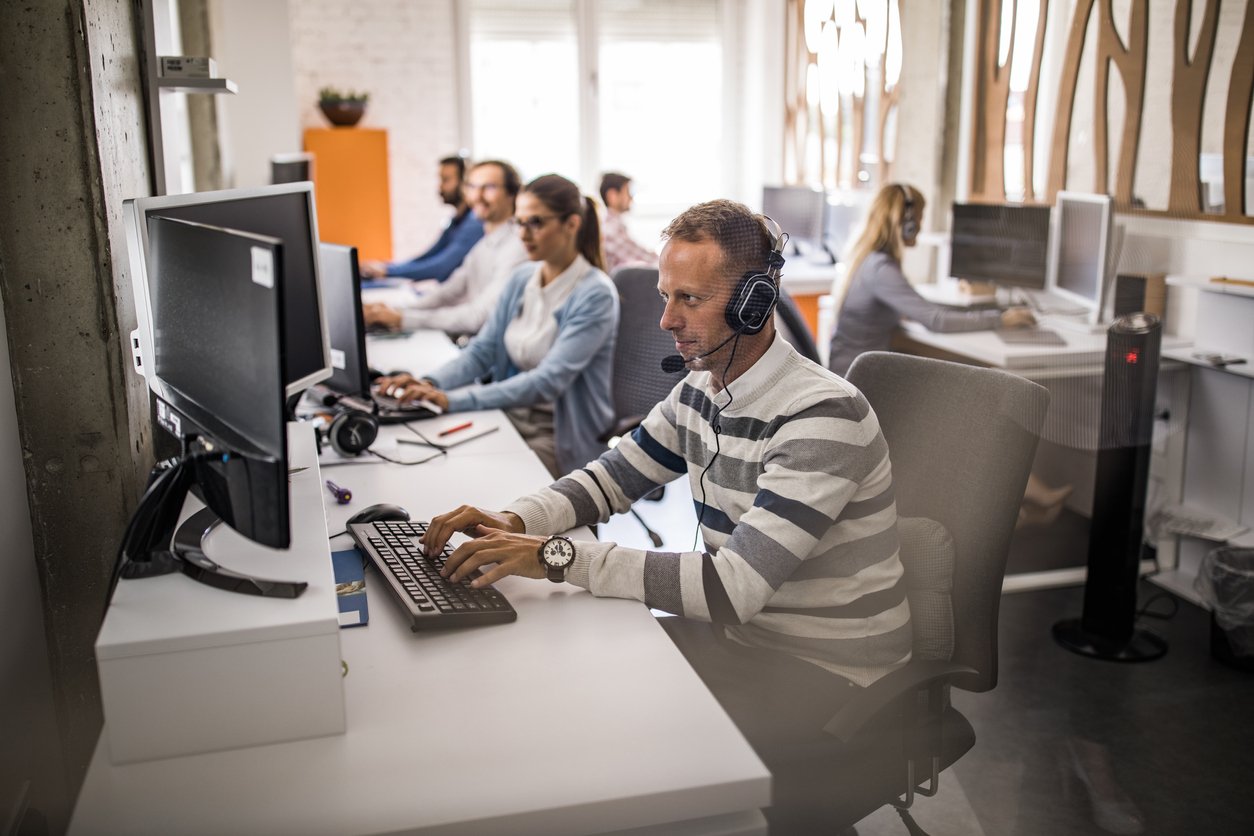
[405, 387]
[1017, 318]
[499, 539]
[467, 519]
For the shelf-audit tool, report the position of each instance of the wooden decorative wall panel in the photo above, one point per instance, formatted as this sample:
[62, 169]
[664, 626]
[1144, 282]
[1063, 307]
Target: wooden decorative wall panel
[1128, 56]
[837, 125]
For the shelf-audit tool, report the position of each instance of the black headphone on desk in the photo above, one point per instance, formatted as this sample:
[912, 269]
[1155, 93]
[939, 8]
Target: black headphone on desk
[350, 432]
[756, 294]
[909, 220]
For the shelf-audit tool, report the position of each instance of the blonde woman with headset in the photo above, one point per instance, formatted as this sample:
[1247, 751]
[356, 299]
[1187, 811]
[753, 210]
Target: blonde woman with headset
[877, 295]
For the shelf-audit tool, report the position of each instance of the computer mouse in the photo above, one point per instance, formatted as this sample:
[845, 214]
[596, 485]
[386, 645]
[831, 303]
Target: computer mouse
[376, 513]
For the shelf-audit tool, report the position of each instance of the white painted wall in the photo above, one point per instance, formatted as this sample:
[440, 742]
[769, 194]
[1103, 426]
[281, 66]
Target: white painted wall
[404, 53]
[252, 47]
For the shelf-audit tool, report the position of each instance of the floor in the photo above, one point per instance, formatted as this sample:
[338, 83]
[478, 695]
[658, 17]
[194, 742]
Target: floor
[1166, 746]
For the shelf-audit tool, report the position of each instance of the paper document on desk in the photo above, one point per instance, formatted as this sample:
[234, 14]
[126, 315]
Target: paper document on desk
[448, 433]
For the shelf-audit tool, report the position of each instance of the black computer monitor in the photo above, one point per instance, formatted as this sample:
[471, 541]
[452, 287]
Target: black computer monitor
[216, 369]
[844, 221]
[346, 327]
[1008, 245]
[799, 211]
[285, 212]
[291, 168]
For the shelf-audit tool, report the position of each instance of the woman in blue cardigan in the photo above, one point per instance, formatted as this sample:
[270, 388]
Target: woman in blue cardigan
[548, 348]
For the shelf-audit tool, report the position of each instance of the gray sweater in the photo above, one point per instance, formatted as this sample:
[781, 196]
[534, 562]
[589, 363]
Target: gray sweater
[800, 523]
[878, 299]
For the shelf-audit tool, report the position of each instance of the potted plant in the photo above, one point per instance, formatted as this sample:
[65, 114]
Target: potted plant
[342, 107]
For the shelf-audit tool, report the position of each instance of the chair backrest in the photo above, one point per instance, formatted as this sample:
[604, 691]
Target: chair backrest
[792, 326]
[639, 382]
[961, 440]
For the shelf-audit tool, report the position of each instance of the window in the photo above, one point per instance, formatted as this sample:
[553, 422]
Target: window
[579, 87]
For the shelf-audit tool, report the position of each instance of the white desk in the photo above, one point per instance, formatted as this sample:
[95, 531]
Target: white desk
[580, 717]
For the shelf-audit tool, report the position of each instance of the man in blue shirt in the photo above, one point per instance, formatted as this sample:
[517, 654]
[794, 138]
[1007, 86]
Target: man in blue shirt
[462, 233]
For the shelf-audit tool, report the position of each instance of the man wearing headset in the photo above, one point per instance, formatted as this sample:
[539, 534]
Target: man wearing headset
[797, 597]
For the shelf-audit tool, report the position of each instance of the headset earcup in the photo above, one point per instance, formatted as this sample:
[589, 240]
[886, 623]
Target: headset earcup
[752, 304]
[352, 432]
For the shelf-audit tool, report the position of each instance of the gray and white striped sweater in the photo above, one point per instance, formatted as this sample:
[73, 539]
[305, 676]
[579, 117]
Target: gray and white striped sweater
[800, 523]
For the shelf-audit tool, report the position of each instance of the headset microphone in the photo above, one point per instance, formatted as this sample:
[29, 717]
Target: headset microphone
[672, 363]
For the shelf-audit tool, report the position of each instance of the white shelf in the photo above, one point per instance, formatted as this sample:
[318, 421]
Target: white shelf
[1210, 286]
[197, 85]
[1185, 355]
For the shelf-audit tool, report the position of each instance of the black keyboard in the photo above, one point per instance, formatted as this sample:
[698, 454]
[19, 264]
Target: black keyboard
[433, 602]
[392, 411]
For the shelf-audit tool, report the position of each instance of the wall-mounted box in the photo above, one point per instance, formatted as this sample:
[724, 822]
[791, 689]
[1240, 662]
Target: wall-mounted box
[187, 66]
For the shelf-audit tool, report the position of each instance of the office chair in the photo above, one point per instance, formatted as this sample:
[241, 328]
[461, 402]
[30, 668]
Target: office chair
[793, 328]
[639, 382]
[961, 440]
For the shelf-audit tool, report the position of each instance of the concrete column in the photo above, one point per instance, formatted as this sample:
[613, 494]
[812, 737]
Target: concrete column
[72, 146]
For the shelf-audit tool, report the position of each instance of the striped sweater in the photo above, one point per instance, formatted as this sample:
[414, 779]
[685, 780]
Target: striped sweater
[799, 522]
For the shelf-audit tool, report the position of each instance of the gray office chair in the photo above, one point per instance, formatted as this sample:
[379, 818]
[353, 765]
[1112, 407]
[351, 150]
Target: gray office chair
[961, 440]
[793, 327]
[639, 382]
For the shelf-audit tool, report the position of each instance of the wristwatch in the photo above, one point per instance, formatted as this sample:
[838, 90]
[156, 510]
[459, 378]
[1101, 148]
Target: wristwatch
[556, 555]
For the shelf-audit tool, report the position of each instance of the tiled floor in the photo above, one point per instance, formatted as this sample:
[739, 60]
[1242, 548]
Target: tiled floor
[1177, 733]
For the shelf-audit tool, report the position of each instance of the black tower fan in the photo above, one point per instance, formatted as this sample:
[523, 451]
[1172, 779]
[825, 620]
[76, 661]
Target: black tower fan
[1106, 629]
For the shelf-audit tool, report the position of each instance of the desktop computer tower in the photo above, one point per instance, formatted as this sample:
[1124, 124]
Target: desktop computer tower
[1107, 628]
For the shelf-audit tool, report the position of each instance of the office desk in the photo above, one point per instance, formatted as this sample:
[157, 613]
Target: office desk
[580, 717]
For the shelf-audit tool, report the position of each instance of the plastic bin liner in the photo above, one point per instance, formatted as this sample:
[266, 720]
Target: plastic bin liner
[1226, 583]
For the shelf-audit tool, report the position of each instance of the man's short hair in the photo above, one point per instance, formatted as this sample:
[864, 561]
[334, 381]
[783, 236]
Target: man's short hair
[612, 181]
[738, 232]
[458, 161]
[513, 183]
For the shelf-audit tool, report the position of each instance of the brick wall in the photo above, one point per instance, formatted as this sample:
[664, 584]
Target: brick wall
[403, 52]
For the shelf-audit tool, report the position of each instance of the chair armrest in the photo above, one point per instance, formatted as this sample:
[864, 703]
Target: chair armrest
[885, 691]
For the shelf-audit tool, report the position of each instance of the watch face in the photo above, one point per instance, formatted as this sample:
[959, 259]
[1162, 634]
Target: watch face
[558, 552]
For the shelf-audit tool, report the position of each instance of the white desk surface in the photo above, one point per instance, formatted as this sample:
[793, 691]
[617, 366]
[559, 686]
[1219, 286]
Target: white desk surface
[580, 717]
[1084, 353]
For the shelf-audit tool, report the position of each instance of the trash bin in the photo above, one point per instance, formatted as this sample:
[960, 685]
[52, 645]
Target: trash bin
[1226, 583]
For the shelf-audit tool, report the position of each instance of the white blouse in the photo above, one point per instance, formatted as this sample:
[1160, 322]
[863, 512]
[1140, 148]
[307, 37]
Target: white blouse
[532, 333]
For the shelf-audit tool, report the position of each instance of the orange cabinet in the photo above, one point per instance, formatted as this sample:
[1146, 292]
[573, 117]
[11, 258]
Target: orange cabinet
[350, 174]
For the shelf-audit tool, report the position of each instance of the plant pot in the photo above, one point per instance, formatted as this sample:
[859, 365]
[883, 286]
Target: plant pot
[343, 113]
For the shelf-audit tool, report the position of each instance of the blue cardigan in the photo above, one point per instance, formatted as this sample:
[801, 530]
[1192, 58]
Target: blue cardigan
[446, 254]
[574, 376]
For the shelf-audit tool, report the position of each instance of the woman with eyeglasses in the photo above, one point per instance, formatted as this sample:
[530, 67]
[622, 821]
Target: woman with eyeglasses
[548, 346]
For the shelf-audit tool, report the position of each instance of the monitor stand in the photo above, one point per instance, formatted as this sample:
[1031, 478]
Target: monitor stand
[147, 550]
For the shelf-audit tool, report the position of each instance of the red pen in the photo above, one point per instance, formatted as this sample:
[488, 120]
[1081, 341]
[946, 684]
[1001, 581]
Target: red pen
[452, 430]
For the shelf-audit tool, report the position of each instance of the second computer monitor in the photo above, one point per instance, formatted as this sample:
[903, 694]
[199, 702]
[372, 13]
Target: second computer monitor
[799, 212]
[1007, 245]
[1082, 242]
[341, 293]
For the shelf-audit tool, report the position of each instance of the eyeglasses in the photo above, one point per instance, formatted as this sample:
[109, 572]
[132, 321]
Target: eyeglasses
[535, 223]
[483, 187]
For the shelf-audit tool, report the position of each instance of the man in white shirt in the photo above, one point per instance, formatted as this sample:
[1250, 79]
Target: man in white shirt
[461, 304]
[620, 249]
